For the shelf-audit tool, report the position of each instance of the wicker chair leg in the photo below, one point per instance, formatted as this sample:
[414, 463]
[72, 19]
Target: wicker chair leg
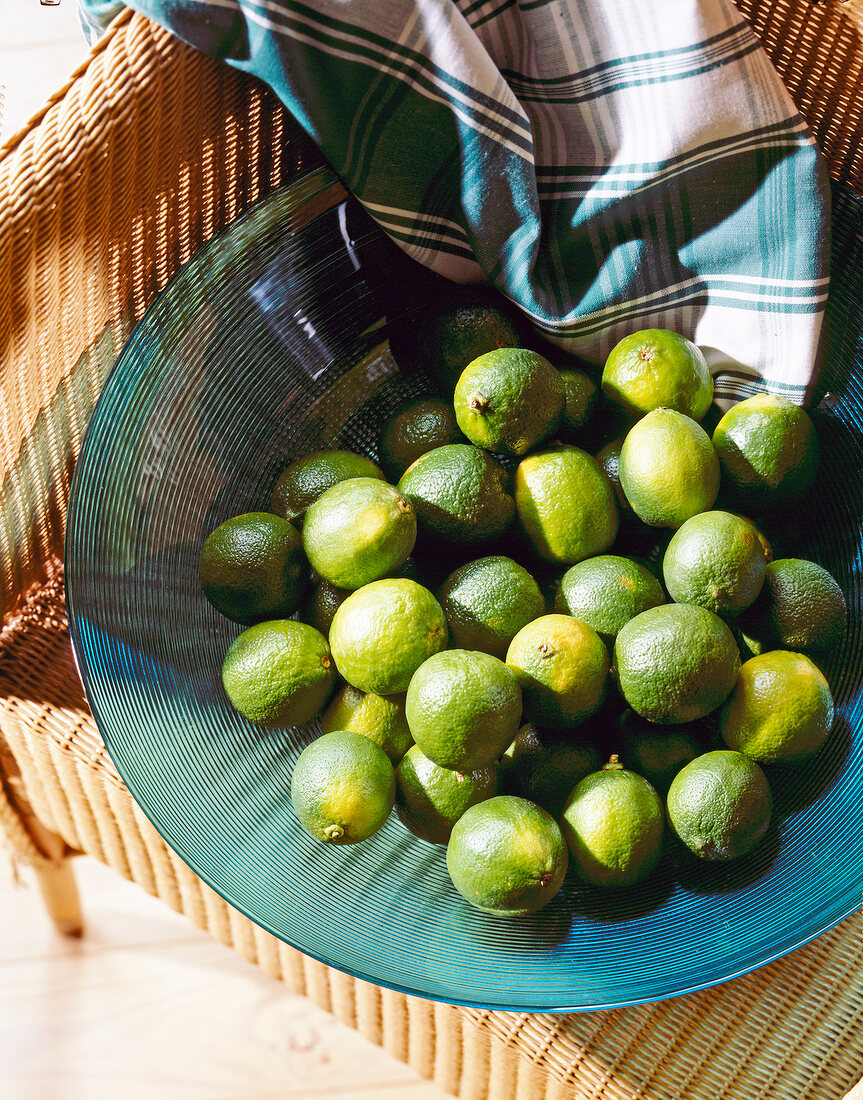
[59, 891]
[33, 843]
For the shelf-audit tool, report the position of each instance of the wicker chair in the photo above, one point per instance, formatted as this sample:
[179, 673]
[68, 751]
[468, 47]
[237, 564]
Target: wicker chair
[148, 151]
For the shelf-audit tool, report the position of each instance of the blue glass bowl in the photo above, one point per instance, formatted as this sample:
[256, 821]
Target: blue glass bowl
[272, 342]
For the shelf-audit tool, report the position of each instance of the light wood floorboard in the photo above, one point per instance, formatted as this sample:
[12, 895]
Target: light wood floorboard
[146, 1007]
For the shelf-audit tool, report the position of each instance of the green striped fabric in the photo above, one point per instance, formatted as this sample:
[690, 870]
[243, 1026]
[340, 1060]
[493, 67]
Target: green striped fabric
[609, 166]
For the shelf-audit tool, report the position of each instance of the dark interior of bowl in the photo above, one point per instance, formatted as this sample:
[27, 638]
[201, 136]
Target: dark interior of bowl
[273, 342]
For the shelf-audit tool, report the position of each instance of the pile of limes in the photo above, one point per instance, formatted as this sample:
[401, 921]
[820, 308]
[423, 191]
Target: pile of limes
[478, 635]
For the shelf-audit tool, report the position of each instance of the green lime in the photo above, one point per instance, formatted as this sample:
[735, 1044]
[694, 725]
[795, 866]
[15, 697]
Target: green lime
[324, 601]
[581, 397]
[613, 823]
[508, 400]
[675, 663]
[278, 673]
[416, 428]
[562, 666]
[252, 567]
[463, 708]
[800, 607]
[566, 504]
[306, 478]
[656, 752]
[655, 369]
[768, 449]
[506, 856]
[544, 766]
[383, 632]
[343, 787]
[719, 805]
[381, 718]
[487, 602]
[459, 493]
[607, 591]
[668, 468]
[430, 799]
[358, 531]
[454, 326]
[715, 560]
[781, 708]
[609, 459]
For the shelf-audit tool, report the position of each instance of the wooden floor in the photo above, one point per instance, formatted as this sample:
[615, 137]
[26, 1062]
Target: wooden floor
[146, 1007]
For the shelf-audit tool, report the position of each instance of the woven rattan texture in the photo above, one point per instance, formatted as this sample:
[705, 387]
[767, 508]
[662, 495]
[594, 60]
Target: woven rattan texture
[146, 153]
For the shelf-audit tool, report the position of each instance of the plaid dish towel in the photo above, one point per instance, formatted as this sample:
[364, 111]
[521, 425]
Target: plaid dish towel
[609, 165]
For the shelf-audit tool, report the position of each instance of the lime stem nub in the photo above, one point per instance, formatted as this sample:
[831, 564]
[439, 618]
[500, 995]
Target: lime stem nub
[613, 765]
[333, 832]
[478, 402]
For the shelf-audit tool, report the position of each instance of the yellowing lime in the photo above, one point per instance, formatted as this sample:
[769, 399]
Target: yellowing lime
[343, 788]
[668, 468]
[384, 631]
[781, 708]
[561, 665]
[613, 823]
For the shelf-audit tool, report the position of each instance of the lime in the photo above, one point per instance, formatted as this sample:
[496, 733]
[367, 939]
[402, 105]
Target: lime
[544, 766]
[278, 673]
[252, 567]
[506, 856]
[656, 752]
[762, 538]
[655, 369]
[768, 450]
[580, 400]
[306, 478]
[561, 665]
[719, 805]
[801, 607]
[358, 531]
[715, 560]
[343, 787]
[324, 601]
[668, 468]
[607, 591]
[487, 602]
[613, 823]
[609, 459]
[459, 493]
[675, 663]
[381, 718]
[383, 632]
[781, 708]
[455, 325]
[566, 504]
[430, 799]
[463, 708]
[508, 400]
[417, 427]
